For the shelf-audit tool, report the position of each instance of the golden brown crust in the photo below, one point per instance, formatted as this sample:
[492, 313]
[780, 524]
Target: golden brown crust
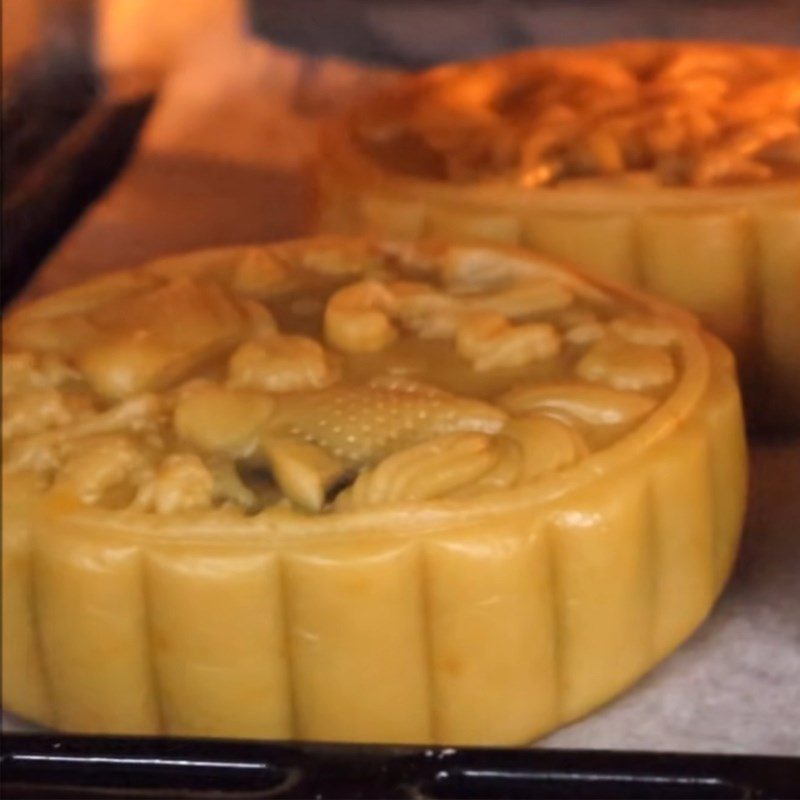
[184, 393]
[697, 114]
[222, 403]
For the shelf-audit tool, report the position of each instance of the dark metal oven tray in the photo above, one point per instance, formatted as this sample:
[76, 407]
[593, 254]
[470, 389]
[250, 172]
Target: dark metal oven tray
[53, 766]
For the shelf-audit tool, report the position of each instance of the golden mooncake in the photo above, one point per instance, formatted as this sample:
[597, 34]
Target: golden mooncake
[670, 166]
[343, 489]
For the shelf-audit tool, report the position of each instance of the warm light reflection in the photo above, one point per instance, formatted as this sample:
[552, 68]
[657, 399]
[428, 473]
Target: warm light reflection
[139, 40]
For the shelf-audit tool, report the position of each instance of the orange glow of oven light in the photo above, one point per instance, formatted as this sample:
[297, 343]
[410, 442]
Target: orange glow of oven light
[138, 41]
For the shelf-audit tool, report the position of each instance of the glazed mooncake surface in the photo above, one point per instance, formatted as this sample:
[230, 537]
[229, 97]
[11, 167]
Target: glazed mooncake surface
[341, 489]
[671, 166]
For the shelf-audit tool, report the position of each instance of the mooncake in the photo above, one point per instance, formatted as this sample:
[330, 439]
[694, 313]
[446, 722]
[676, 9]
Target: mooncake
[666, 165]
[349, 489]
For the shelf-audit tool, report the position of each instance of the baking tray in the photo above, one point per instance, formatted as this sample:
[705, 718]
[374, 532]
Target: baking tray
[58, 158]
[44, 766]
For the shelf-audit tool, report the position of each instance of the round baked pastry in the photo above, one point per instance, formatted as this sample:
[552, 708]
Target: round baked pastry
[347, 490]
[670, 166]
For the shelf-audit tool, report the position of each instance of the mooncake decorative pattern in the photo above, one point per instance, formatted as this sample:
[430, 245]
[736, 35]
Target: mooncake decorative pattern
[666, 165]
[249, 489]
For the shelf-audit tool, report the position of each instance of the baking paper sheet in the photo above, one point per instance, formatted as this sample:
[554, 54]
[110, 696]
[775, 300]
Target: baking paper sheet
[222, 160]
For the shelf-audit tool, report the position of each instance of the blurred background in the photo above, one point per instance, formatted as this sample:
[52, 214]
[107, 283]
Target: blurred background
[147, 35]
[213, 105]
